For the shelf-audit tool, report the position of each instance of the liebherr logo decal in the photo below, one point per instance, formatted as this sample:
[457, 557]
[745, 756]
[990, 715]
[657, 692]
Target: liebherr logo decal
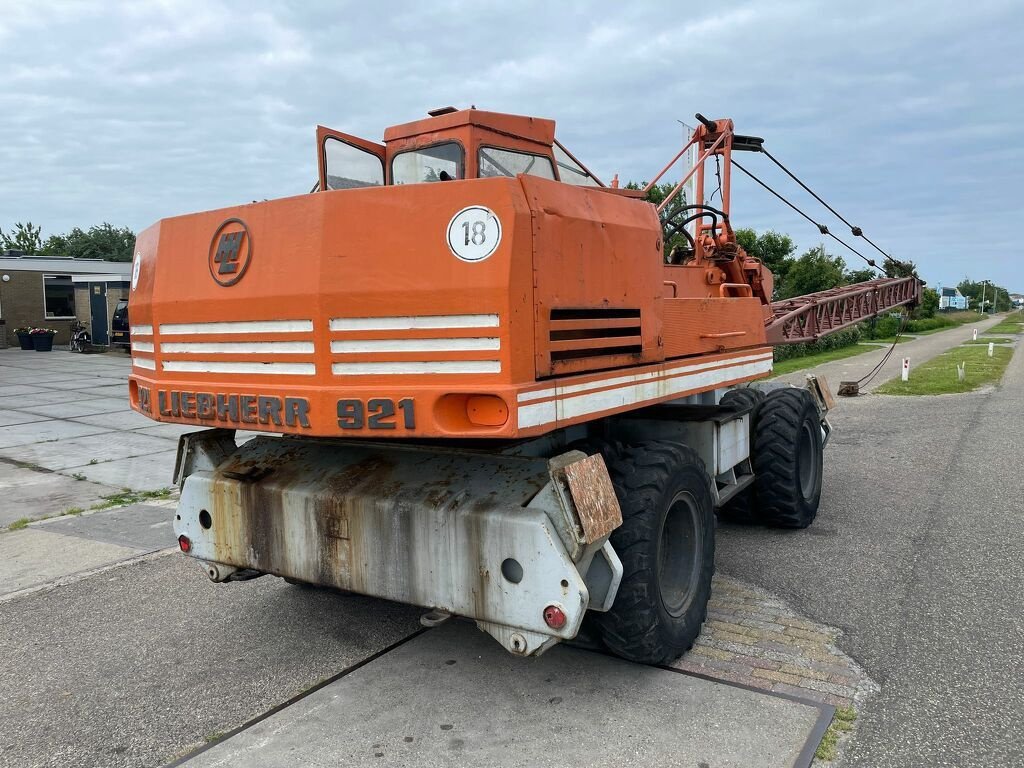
[232, 409]
[230, 252]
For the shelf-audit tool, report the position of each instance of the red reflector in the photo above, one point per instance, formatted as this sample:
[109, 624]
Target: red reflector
[184, 543]
[554, 617]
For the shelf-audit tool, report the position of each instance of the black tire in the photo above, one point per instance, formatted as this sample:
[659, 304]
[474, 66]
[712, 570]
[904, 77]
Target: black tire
[742, 398]
[787, 459]
[667, 546]
[741, 509]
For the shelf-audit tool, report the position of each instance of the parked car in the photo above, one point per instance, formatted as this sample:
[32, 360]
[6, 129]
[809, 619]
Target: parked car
[120, 332]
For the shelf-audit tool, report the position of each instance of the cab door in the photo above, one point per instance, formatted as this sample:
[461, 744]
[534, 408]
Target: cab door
[348, 162]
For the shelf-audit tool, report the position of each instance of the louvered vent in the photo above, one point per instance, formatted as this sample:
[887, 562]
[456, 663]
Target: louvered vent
[599, 332]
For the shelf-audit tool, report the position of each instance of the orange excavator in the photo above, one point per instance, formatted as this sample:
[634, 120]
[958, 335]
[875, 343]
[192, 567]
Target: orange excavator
[481, 382]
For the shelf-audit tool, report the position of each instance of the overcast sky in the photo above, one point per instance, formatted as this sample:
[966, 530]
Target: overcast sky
[906, 115]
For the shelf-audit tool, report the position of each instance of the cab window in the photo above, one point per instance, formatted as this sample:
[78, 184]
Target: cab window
[506, 162]
[572, 172]
[349, 167]
[439, 162]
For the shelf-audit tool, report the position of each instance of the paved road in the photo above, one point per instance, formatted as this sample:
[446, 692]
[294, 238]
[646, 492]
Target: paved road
[114, 668]
[918, 555]
[918, 350]
[133, 664]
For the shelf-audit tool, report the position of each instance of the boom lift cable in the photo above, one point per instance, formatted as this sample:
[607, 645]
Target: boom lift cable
[821, 227]
[866, 378]
[825, 231]
[854, 230]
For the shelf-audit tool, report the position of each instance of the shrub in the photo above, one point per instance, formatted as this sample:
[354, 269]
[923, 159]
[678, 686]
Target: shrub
[844, 338]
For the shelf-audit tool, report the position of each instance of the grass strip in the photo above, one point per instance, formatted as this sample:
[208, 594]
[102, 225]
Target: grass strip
[1009, 324]
[889, 340]
[986, 340]
[783, 367]
[938, 376]
[128, 496]
[842, 722]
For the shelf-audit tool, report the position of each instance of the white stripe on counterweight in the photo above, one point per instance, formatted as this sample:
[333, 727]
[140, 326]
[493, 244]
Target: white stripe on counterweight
[418, 367]
[217, 366]
[412, 322]
[567, 408]
[468, 344]
[142, 346]
[240, 326]
[144, 362]
[141, 330]
[540, 394]
[239, 347]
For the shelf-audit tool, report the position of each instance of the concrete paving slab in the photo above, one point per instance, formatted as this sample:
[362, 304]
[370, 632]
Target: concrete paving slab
[452, 696]
[34, 494]
[10, 372]
[149, 472]
[7, 418]
[39, 397]
[140, 663]
[19, 389]
[120, 390]
[78, 380]
[127, 420]
[71, 452]
[40, 432]
[140, 526]
[167, 431]
[79, 407]
[35, 556]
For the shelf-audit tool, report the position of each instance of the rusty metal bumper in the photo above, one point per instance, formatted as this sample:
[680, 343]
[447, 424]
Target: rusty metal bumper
[497, 538]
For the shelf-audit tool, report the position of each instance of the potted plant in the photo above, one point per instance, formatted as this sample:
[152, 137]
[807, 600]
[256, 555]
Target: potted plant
[24, 339]
[42, 339]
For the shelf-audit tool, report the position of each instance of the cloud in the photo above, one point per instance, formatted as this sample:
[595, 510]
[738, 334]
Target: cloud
[907, 118]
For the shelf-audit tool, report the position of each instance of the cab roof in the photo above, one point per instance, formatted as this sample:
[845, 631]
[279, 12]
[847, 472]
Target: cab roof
[535, 129]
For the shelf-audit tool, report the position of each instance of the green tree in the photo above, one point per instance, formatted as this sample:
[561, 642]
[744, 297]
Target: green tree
[814, 271]
[995, 296]
[896, 268]
[861, 275]
[104, 241]
[774, 249]
[929, 304]
[25, 238]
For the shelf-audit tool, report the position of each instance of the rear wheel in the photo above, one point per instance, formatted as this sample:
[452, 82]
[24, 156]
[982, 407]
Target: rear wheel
[787, 459]
[667, 547]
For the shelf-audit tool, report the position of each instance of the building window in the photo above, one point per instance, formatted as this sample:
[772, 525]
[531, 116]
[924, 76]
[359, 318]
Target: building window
[59, 296]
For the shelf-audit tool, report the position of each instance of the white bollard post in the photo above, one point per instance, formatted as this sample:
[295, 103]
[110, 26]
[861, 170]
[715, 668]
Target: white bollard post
[991, 348]
[975, 335]
[906, 369]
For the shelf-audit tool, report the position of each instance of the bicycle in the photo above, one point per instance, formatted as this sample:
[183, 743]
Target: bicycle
[81, 341]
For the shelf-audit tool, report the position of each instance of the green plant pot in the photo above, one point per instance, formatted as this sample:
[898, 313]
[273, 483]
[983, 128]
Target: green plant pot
[42, 342]
[25, 340]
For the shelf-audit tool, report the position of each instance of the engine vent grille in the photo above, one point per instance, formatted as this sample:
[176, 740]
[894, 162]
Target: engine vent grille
[594, 332]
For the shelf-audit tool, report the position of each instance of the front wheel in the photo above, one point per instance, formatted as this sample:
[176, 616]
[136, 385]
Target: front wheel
[667, 547]
[787, 458]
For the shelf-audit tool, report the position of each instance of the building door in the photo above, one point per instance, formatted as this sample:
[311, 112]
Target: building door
[98, 309]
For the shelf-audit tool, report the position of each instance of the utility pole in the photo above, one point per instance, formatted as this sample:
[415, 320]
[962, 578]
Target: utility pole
[984, 284]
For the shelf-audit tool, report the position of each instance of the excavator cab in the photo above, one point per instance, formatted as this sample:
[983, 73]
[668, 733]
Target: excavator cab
[450, 145]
